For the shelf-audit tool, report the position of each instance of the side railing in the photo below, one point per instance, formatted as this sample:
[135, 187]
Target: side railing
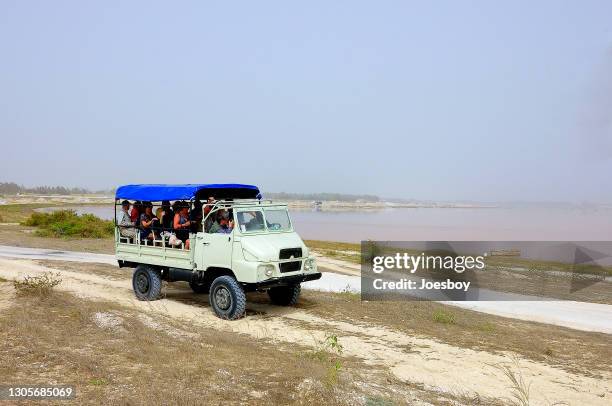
[161, 238]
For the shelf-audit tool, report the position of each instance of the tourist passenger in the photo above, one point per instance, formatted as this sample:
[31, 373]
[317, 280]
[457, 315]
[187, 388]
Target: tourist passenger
[210, 202]
[123, 211]
[182, 223]
[176, 207]
[196, 216]
[165, 215]
[224, 217]
[220, 223]
[147, 221]
[227, 229]
[136, 212]
[126, 225]
[214, 225]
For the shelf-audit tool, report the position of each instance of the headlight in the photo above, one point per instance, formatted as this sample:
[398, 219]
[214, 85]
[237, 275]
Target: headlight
[309, 265]
[267, 269]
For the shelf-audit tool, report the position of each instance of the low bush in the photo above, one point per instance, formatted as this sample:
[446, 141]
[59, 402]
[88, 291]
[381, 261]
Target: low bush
[440, 316]
[67, 223]
[329, 353]
[41, 285]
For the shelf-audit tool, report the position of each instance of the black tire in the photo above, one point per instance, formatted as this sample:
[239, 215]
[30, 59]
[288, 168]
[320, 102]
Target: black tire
[227, 298]
[285, 295]
[199, 287]
[147, 283]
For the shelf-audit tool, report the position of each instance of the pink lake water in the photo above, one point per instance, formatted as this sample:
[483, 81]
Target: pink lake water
[444, 224]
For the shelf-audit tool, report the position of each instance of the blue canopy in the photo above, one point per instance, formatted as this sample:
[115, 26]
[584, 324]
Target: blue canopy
[155, 193]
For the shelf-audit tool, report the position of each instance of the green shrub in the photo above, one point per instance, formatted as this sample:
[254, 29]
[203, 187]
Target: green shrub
[329, 353]
[486, 327]
[378, 401]
[98, 381]
[67, 223]
[440, 316]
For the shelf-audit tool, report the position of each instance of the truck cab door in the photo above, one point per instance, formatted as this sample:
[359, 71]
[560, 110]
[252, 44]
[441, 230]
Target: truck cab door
[215, 250]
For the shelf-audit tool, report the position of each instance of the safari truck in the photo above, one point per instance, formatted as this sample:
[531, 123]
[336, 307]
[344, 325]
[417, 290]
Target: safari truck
[256, 250]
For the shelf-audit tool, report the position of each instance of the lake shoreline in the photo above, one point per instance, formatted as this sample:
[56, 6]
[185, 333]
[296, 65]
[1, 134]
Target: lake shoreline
[327, 205]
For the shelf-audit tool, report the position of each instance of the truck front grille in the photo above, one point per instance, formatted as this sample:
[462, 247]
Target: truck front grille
[287, 253]
[292, 266]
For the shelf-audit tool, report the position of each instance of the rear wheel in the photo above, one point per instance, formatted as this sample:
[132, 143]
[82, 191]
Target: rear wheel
[227, 298]
[285, 295]
[147, 283]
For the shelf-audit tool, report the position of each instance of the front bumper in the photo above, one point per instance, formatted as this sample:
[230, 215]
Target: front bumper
[283, 281]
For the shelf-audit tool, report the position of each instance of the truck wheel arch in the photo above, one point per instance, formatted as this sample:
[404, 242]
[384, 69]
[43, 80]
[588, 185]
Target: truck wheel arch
[214, 272]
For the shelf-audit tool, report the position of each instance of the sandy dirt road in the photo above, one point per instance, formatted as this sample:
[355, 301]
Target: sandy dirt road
[340, 275]
[437, 366]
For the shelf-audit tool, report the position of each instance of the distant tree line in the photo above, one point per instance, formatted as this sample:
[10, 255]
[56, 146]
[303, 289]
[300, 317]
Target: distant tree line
[322, 196]
[11, 188]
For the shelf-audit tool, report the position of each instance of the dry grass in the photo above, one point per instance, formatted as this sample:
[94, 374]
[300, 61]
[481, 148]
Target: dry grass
[519, 387]
[22, 236]
[114, 355]
[573, 350]
[40, 285]
[339, 250]
[58, 340]
[333, 245]
[15, 213]
[576, 351]
[565, 286]
[108, 271]
[443, 316]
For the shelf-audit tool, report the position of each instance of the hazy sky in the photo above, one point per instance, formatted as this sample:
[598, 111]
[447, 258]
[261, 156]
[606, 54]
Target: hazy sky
[484, 100]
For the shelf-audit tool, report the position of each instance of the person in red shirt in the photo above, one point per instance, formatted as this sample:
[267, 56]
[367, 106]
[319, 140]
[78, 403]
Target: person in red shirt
[135, 213]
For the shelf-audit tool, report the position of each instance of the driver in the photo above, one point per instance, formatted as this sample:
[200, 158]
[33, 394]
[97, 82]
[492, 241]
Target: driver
[256, 221]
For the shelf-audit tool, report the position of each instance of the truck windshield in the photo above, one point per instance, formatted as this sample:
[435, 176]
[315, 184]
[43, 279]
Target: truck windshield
[277, 220]
[253, 220]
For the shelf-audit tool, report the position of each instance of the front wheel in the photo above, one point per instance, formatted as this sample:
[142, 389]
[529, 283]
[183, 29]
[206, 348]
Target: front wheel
[147, 283]
[285, 295]
[227, 298]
